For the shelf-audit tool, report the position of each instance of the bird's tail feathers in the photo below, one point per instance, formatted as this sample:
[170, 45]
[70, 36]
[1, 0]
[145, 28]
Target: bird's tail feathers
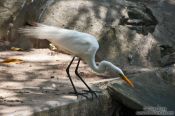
[40, 31]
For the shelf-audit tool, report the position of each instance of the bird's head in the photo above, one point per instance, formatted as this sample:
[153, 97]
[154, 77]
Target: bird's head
[117, 70]
[125, 78]
[105, 65]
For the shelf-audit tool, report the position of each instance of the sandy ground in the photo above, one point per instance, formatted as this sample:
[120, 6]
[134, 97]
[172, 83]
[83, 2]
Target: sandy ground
[39, 80]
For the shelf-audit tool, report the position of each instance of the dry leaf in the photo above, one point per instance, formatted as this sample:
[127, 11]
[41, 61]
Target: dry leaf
[12, 61]
[53, 47]
[16, 49]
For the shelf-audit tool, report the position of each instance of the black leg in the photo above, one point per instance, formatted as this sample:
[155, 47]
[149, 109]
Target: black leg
[76, 72]
[68, 74]
[75, 91]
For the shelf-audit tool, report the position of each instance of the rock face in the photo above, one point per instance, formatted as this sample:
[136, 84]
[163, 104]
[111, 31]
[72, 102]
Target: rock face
[15, 14]
[152, 88]
[129, 32]
[163, 10]
[8, 12]
[118, 42]
[167, 55]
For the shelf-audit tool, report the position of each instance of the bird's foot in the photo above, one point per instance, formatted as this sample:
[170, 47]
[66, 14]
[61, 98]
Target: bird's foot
[85, 93]
[92, 92]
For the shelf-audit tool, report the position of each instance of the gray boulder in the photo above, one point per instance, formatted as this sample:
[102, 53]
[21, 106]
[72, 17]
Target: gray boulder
[129, 32]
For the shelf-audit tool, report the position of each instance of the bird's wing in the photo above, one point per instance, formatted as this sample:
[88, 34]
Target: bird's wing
[70, 40]
[40, 31]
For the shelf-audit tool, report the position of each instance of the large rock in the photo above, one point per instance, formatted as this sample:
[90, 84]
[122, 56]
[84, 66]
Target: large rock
[163, 10]
[129, 32]
[153, 88]
[168, 60]
[9, 9]
[15, 14]
[39, 87]
[118, 43]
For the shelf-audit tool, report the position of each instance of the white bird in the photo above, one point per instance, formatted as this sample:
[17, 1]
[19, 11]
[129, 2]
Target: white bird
[79, 44]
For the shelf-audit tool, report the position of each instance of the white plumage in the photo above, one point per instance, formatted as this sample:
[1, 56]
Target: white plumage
[79, 44]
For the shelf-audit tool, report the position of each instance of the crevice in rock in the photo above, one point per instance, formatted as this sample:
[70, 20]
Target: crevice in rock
[166, 50]
[125, 111]
[139, 18]
[167, 55]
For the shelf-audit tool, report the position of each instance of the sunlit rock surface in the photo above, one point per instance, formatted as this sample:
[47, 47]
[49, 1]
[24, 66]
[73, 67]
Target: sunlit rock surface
[39, 86]
[136, 35]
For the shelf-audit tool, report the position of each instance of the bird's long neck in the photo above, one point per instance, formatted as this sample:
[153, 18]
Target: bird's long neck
[102, 66]
[99, 69]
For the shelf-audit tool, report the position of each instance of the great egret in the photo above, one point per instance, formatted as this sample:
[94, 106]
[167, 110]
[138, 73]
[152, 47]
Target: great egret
[79, 44]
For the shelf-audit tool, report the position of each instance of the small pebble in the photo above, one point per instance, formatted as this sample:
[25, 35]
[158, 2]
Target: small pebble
[53, 85]
[52, 77]
[11, 25]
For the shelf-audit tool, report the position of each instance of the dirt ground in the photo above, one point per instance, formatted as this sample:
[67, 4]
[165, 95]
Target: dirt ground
[40, 78]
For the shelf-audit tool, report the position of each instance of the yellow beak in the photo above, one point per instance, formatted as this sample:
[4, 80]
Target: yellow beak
[125, 78]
